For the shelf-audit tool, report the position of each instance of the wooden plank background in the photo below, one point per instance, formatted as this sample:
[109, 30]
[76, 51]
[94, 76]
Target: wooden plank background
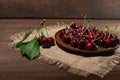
[100, 9]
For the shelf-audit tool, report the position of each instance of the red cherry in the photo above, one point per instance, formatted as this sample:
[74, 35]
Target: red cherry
[73, 25]
[41, 40]
[81, 44]
[91, 36]
[86, 32]
[66, 38]
[80, 28]
[90, 45]
[62, 32]
[71, 33]
[101, 42]
[74, 42]
[108, 41]
[51, 40]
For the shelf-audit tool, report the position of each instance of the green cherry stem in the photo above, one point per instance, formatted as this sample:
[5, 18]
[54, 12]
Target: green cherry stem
[42, 24]
[46, 31]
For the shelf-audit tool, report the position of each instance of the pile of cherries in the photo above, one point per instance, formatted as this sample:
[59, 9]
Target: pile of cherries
[46, 42]
[88, 38]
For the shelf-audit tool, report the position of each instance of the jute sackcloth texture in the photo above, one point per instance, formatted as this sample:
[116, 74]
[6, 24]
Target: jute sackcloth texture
[76, 64]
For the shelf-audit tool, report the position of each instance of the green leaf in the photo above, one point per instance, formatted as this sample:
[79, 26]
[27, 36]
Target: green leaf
[16, 45]
[30, 49]
[101, 48]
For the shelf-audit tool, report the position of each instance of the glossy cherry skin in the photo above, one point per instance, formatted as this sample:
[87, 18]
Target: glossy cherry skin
[51, 41]
[41, 40]
[66, 38]
[62, 32]
[73, 25]
[80, 28]
[81, 44]
[74, 42]
[86, 32]
[46, 43]
[101, 43]
[90, 45]
[94, 30]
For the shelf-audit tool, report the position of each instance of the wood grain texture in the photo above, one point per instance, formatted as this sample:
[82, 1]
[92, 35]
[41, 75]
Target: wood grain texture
[15, 67]
[59, 8]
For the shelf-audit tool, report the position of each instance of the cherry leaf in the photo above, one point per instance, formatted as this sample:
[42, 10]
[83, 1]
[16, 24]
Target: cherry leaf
[30, 49]
[16, 45]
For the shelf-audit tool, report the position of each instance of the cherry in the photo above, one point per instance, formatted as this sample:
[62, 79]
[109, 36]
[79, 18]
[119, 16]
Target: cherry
[101, 42]
[115, 41]
[41, 40]
[51, 41]
[111, 40]
[94, 30]
[75, 31]
[73, 25]
[72, 33]
[81, 44]
[80, 28]
[100, 35]
[91, 36]
[74, 42]
[66, 38]
[108, 41]
[62, 32]
[86, 32]
[90, 45]
[45, 43]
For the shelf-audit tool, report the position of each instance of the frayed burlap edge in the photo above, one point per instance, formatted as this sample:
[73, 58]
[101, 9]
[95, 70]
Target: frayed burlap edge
[61, 65]
[104, 69]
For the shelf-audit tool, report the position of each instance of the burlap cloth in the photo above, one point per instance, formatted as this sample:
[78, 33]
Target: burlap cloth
[76, 64]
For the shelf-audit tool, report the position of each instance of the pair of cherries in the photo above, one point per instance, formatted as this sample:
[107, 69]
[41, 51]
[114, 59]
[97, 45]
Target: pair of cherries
[46, 42]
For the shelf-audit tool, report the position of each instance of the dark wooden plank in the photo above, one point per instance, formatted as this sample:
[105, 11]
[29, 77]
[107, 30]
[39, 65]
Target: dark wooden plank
[15, 67]
[59, 8]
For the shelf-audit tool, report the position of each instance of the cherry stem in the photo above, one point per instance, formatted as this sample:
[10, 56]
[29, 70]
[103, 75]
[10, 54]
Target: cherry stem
[42, 24]
[98, 38]
[42, 34]
[46, 31]
[84, 16]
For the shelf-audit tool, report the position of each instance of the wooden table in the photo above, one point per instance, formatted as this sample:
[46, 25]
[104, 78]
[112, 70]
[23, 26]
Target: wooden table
[15, 67]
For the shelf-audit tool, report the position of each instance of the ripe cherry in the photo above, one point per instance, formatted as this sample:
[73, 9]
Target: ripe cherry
[73, 25]
[41, 40]
[45, 43]
[62, 32]
[86, 32]
[91, 36]
[108, 41]
[80, 28]
[101, 43]
[90, 45]
[94, 30]
[74, 42]
[51, 41]
[66, 38]
[81, 44]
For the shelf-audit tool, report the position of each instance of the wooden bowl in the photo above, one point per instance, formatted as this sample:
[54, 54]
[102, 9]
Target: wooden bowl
[69, 48]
